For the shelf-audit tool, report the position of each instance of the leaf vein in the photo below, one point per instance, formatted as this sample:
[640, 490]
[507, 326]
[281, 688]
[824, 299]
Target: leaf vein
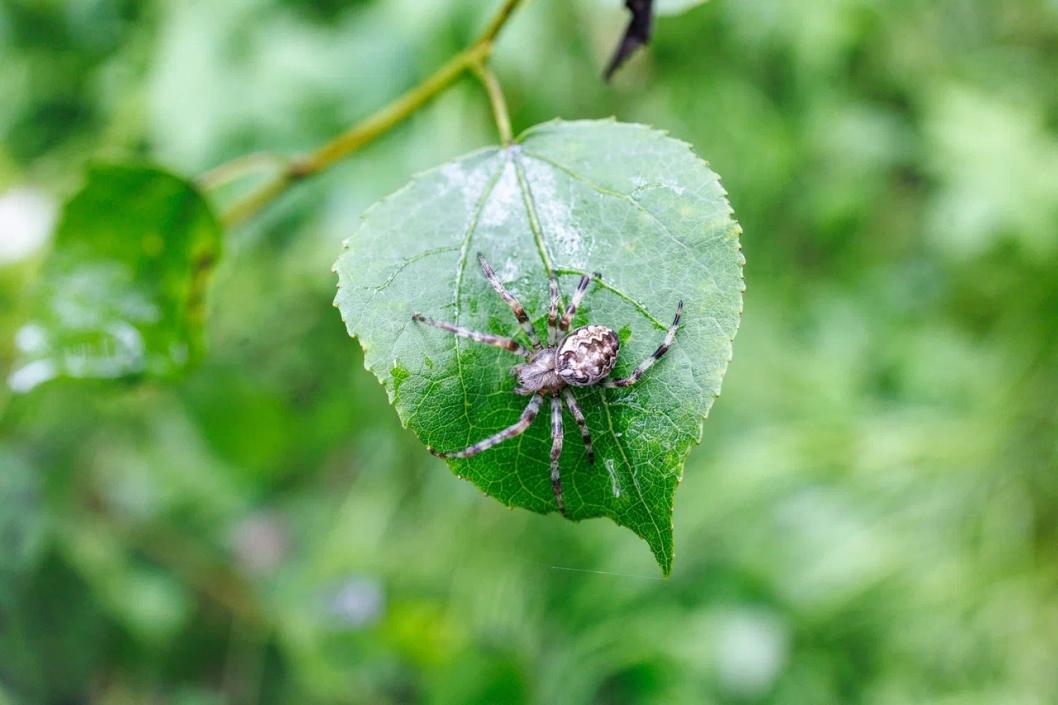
[408, 261]
[530, 208]
[628, 463]
[602, 190]
[620, 294]
[461, 266]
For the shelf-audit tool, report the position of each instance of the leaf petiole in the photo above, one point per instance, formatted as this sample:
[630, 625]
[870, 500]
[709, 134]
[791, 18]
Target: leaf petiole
[499, 105]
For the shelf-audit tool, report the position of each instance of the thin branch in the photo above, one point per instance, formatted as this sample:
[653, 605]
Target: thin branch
[239, 167]
[499, 105]
[498, 21]
[375, 125]
[385, 119]
[243, 209]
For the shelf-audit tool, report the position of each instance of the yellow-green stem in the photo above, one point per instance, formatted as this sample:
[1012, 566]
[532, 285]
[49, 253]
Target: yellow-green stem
[240, 167]
[499, 105]
[379, 123]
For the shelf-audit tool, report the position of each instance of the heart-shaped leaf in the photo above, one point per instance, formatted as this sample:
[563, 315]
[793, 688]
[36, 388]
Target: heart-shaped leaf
[122, 292]
[569, 197]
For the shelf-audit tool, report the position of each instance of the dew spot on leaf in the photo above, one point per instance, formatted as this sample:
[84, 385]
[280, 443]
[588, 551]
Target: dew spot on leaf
[123, 290]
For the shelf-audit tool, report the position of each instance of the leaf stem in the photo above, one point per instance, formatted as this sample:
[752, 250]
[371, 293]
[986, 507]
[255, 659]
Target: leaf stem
[499, 105]
[377, 124]
[240, 166]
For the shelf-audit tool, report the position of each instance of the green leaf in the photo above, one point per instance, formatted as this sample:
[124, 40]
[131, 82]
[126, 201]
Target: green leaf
[21, 517]
[573, 197]
[122, 292]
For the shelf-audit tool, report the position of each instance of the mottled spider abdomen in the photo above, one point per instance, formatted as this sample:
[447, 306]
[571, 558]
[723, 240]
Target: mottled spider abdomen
[587, 355]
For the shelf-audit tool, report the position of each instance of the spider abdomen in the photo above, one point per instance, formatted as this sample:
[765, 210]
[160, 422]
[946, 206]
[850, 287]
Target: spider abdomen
[587, 355]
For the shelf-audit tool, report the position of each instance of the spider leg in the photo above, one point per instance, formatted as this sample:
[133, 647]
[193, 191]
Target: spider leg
[519, 427]
[484, 338]
[670, 335]
[574, 302]
[552, 312]
[519, 311]
[582, 423]
[556, 451]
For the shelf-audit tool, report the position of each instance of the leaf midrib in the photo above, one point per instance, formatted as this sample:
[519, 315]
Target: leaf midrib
[534, 224]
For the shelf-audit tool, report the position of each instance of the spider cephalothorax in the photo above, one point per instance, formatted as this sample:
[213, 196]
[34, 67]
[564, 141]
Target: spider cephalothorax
[581, 358]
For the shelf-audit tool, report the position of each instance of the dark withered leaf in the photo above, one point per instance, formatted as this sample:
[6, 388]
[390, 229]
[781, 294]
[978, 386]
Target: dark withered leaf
[636, 35]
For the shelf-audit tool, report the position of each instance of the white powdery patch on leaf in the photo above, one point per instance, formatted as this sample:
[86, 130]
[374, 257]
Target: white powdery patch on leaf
[555, 213]
[643, 184]
[505, 196]
[469, 183]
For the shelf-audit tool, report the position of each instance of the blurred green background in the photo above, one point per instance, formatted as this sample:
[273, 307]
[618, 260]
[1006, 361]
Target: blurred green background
[872, 516]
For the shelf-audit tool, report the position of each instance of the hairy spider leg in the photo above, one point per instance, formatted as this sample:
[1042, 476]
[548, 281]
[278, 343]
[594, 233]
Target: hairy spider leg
[519, 311]
[556, 451]
[552, 312]
[670, 335]
[519, 427]
[484, 338]
[574, 302]
[582, 423]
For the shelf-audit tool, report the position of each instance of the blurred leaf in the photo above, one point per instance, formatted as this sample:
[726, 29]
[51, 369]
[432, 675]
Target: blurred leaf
[151, 603]
[51, 619]
[22, 525]
[122, 293]
[584, 196]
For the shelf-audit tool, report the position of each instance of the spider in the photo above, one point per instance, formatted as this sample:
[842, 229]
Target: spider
[581, 358]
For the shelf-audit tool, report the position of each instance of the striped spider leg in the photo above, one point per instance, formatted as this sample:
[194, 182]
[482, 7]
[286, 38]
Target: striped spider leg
[509, 344]
[670, 335]
[497, 341]
[515, 429]
[519, 311]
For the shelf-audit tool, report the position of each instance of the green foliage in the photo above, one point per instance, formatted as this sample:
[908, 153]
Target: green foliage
[21, 517]
[123, 290]
[870, 518]
[568, 198]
